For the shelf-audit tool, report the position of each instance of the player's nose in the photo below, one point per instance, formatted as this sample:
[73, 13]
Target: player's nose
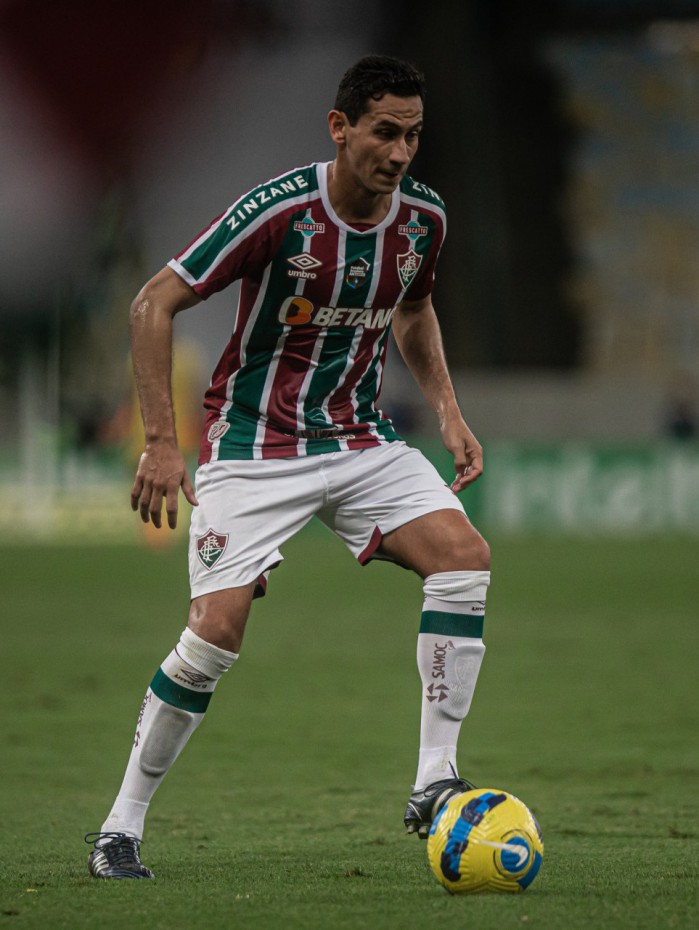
[399, 152]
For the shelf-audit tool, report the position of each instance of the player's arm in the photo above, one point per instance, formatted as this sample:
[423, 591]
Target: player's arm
[161, 470]
[419, 339]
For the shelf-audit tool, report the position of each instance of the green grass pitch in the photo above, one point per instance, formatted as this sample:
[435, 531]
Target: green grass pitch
[286, 808]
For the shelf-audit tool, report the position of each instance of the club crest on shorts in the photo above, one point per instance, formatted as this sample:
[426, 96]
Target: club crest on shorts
[408, 264]
[217, 429]
[210, 548]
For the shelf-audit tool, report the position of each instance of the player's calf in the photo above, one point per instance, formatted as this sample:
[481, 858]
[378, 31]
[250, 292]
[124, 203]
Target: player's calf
[172, 709]
[449, 655]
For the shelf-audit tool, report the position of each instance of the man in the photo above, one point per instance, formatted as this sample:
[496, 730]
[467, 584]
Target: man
[329, 256]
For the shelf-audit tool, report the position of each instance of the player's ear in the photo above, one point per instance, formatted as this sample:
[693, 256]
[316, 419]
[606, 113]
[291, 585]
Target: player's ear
[337, 124]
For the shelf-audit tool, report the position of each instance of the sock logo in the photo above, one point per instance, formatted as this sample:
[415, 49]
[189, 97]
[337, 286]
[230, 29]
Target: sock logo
[439, 660]
[437, 693]
[146, 701]
[191, 677]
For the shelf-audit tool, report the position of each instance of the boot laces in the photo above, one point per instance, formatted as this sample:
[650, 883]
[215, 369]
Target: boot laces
[120, 849]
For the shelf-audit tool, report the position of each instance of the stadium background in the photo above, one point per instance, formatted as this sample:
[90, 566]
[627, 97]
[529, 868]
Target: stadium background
[564, 138]
[564, 141]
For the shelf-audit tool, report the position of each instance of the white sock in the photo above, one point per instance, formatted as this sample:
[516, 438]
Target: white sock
[449, 654]
[172, 709]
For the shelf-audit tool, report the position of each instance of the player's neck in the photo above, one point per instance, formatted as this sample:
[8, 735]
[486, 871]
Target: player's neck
[352, 202]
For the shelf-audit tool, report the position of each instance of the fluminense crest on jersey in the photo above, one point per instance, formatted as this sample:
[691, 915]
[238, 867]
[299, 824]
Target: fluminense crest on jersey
[210, 547]
[408, 265]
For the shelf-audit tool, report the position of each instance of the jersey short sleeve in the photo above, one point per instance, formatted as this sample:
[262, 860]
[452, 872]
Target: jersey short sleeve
[426, 231]
[423, 283]
[242, 241]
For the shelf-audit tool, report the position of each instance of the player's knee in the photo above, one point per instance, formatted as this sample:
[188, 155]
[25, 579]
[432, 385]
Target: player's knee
[472, 552]
[220, 619]
[218, 632]
[481, 554]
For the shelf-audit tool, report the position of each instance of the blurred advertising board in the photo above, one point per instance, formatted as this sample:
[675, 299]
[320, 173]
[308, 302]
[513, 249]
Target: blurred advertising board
[583, 488]
[565, 488]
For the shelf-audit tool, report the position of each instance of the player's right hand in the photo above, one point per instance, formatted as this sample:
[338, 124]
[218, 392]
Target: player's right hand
[160, 474]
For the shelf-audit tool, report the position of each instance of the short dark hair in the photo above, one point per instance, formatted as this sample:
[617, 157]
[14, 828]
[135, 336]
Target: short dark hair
[372, 77]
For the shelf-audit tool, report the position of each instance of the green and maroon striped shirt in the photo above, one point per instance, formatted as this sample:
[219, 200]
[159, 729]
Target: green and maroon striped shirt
[302, 372]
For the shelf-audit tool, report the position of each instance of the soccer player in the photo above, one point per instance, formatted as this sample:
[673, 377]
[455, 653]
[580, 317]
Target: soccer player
[331, 257]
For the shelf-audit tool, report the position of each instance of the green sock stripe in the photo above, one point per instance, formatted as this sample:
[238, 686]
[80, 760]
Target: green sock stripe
[169, 691]
[444, 624]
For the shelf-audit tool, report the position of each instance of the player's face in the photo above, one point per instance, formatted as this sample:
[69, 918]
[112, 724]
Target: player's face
[380, 147]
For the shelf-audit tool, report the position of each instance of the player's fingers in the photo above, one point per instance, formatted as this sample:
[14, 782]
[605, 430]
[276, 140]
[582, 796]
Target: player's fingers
[467, 472]
[188, 490]
[458, 484]
[150, 503]
[469, 476]
[147, 513]
[475, 469]
[136, 492]
[460, 465]
[156, 505]
[171, 505]
[144, 500]
[144, 508]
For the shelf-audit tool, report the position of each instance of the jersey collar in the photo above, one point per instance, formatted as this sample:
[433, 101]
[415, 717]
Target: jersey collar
[322, 169]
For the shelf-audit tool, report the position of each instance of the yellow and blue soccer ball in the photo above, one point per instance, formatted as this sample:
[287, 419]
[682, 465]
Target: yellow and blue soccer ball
[485, 840]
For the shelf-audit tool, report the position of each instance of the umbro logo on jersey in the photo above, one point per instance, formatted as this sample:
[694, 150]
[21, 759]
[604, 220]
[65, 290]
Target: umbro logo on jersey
[303, 263]
[304, 260]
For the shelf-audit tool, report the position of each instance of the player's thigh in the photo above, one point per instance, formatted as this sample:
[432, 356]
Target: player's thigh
[441, 541]
[385, 488]
[247, 510]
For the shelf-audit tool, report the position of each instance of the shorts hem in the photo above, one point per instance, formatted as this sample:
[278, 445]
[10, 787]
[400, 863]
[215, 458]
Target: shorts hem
[221, 583]
[367, 554]
[395, 522]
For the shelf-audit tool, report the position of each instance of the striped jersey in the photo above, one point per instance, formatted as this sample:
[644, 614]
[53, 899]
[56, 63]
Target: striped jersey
[302, 372]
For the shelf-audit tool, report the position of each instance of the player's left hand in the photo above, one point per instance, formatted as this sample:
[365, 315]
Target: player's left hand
[467, 452]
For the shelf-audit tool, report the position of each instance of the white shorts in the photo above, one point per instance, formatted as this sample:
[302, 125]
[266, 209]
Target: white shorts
[249, 509]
